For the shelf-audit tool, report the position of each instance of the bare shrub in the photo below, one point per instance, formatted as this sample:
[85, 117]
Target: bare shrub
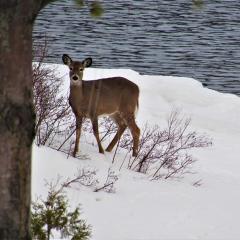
[52, 109]
[84, 177]
[162, 153]
[166, 153]
[109, 185]
[87, 177]
[107, 128]
[198, 183]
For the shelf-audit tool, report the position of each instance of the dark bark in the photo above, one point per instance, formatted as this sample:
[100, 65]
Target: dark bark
[17, 117]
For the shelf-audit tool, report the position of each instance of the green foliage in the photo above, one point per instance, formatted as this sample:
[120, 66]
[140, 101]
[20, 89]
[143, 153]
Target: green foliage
[198, 3]
[96, 9]
[80, 3]
[53, 214]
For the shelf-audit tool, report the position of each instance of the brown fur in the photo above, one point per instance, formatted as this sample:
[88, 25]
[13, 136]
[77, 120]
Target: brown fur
[116, 97]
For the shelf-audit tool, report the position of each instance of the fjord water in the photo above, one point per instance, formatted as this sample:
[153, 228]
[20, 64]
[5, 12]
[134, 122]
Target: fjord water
[156, 37]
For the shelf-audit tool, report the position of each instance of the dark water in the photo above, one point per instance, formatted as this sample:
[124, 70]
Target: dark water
[152, 37]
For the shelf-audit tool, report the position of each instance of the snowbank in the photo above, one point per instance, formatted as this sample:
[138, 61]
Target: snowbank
[143, 209]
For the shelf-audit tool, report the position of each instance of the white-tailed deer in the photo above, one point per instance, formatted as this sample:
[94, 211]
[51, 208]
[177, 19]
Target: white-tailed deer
[116, 97]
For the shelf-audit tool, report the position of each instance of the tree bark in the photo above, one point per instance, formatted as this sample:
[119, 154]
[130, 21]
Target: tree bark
[17, 118]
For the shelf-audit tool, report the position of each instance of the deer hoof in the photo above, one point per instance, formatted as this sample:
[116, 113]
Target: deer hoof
[134, 154]
[74, 154]
[101, 151]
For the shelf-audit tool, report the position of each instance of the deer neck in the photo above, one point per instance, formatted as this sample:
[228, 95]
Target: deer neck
[76, 92]
[76, 87]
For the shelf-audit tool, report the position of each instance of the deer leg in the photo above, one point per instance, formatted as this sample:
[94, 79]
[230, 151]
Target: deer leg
[116, 138]
[78, 133]
[135, 131]
[96, 134]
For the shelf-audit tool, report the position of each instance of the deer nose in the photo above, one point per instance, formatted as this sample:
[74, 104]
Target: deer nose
[75, 78]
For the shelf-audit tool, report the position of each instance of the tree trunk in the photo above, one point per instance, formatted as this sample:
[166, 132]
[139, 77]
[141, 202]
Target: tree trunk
[17, 117]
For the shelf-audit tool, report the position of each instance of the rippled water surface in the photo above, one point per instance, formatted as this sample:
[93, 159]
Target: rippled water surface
[152, 37]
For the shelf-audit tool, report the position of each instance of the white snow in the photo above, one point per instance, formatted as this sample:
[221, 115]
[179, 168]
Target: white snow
[166, 209]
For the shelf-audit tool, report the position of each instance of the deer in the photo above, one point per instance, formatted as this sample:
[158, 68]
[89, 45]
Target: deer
[116, 97]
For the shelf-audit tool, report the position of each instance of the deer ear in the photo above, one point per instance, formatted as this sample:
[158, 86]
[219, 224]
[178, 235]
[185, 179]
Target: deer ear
[87, 62]
[66, 59]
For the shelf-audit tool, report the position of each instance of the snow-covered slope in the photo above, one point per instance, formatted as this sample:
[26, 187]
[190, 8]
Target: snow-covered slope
[142, 209]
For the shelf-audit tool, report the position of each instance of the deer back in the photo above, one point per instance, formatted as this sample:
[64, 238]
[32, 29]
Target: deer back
[104, 96]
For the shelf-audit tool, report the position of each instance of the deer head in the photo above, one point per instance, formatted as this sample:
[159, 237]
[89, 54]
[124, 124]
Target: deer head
[76, 68]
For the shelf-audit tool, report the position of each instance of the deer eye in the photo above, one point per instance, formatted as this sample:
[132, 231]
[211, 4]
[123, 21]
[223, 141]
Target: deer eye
[71, 68]
[80, 69]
